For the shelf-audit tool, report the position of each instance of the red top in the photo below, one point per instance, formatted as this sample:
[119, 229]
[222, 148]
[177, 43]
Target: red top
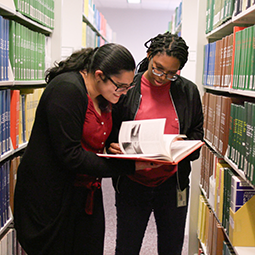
[96, 129]
[156, 102]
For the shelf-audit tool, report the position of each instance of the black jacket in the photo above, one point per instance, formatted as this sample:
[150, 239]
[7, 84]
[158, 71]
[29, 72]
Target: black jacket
[187, 102]
[44, 191]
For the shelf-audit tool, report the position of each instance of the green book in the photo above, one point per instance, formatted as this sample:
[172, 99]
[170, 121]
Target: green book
[244, 58]
[35, 55]
[230, 173]
[17, 51]
[208, 13]
[249, 136]
[242, 134]
[211, 14]
[22, 53]
[248, 59]
[252, 155]
[216, 15]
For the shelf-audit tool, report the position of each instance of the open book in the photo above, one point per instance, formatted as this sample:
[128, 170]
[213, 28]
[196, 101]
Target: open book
[145, 140]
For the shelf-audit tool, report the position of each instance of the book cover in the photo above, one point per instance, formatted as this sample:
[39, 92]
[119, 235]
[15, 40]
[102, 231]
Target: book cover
[227, 78]
[14, 118]
[217, 63]
[241, 192]
[218, 111]
[252, 156]
[211, 117]
[223, 60]
[206, 63]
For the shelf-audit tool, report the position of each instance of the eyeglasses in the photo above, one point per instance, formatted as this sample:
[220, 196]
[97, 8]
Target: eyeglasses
[120, 88]
[170, 76]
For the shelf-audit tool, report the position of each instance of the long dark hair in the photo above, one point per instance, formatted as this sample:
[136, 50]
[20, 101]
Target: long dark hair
[171, 44]
[110, 58]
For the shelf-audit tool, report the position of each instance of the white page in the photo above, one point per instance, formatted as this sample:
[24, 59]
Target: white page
[145, 136]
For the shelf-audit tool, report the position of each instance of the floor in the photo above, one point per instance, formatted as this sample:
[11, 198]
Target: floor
[149, 246]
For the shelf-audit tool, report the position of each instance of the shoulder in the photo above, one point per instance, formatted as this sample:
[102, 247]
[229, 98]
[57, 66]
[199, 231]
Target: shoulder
[67, 88]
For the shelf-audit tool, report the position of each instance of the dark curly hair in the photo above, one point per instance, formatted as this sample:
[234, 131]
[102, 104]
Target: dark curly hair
[171, 44]
[110, 58]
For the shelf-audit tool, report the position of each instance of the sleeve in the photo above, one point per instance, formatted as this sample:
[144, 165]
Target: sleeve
[66, 109]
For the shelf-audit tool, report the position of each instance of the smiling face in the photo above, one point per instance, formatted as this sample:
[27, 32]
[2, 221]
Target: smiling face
[161, 64]
[108, 88]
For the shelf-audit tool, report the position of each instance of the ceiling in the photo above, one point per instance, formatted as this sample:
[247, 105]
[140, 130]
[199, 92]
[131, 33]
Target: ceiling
[145, 4]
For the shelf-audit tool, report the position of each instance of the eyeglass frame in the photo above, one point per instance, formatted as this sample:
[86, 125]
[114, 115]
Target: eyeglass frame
[118, 87]
[174, 77]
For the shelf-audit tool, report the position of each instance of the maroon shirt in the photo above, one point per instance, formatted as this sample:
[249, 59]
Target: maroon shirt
[96, 128]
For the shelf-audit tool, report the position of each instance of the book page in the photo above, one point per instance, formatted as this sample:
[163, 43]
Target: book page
[169, 139]
[182, 148]
[142, 137]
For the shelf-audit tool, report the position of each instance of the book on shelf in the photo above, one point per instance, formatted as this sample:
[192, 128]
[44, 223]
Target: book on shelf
[211, 64]
[228, 65]
[241, 192]
[216, 132]
[145, 140]
[219, 188]
[228, 173]
[235, 54]
[251, 175]
[251, 83]
[217, 63]
[217, 19]
[211, 117]
[223, 60]
[205, 103]
[205, 64]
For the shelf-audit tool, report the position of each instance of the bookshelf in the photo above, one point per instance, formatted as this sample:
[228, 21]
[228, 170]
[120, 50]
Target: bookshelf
[27, 87]
[241, 94]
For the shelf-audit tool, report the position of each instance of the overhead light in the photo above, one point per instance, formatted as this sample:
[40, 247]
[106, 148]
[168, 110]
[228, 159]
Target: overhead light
[134, 1]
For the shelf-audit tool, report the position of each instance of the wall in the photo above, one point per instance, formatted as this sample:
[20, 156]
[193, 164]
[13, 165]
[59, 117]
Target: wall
[134, 27]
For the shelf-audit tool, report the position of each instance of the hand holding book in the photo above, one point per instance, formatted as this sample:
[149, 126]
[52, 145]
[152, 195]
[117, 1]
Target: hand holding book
[140, 165]
[145, 140]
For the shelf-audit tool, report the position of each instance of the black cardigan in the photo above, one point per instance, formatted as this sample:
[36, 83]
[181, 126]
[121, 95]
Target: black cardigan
[52, 159]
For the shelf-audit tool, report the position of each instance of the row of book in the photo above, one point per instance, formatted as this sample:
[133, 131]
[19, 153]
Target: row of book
[4, 48]
[241, 144]
[17, 111]
[98, 20]
[26, 52]
[176, 20]
[230, 197]
[209, 231]
[229, 125]
[8, 177]
[216, 110]
[90, 38]
[219, 11]
[10, 245]
[227, 249]
[229, 62]
[40, 11]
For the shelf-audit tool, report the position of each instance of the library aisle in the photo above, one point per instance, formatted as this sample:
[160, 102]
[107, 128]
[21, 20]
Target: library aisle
[149, 246]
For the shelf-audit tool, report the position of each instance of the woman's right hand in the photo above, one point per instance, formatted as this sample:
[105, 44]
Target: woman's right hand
[141, 165]
[114, 149]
